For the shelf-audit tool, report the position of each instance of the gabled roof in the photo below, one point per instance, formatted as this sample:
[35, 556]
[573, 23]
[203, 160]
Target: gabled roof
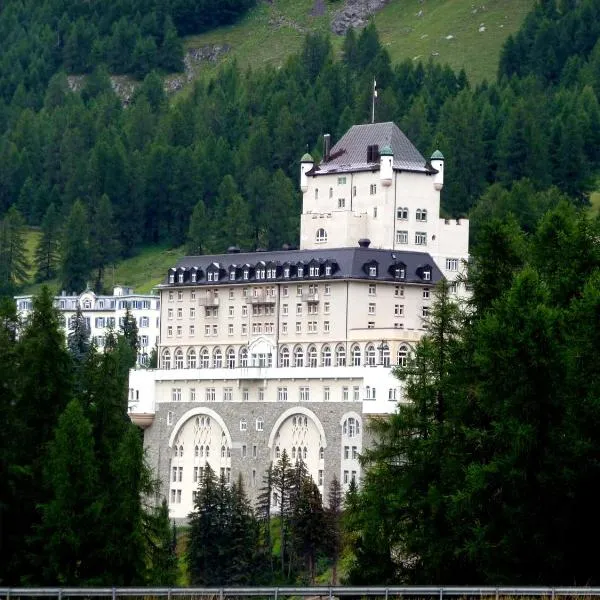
[350, 153]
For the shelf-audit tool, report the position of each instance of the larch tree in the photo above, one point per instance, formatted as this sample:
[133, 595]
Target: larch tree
[48, 248]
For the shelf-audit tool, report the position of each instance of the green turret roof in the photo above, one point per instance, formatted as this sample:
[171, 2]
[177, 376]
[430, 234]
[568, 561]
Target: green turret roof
[307, 158]
[437, 155]
[386, 151]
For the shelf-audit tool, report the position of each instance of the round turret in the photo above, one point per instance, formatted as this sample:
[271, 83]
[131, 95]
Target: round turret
[306, 164]
[437, 162]
[386, 165]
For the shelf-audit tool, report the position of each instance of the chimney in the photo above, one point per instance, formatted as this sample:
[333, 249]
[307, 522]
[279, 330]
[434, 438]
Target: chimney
[326, 146]
[364, 242]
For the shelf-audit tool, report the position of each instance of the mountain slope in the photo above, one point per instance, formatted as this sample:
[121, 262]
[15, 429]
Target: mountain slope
[414, 29]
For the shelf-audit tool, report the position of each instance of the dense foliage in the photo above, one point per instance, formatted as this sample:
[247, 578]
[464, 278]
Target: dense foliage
[486, 476]
[218, 166]
[74, 475]
[128, 36]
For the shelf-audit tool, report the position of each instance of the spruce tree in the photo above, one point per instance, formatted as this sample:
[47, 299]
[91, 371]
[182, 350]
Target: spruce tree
[282, 487]
[333, 514]
[14, 265]
[196, 237]
[47, 250]
[104, 245]
[70, 532]
[162, 544]
[75, 256]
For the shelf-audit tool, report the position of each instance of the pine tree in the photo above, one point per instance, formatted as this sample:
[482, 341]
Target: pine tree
[47, 251]
[104, 245]
[75, 257]
[71, 525]
[13, 258]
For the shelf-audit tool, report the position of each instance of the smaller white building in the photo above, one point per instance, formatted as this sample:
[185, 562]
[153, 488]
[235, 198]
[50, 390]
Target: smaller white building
[104, 313]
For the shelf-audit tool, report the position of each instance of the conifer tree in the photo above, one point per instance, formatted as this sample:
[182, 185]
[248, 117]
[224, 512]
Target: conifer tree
[162, 544]
[13, 258]
[197, 232]
[75, 257]
[282, 487]
[104, 246]
[47, 250]
[70, 531]
[333, 515]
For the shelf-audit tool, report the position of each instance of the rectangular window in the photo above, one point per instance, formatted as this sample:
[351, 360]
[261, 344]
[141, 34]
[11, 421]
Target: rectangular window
[231, 311]
[192, 313]
[180, 478]
[245, 395]
[401, 237]
[179, 330]
[373, 189]
[327, 289]
[170, 313]
[371, 308]
[169, 418]
[425, 311]
[304, 394]
[341, 203]
[284, 328]
[326, 394]
[282, 394]
[399, 310]
[371, 325]
[298, 327]
[298, 309]
[244, 310]
[452, 264]
[399, 291]
[284, 310]
[230, 329]
[285, 290]
[426, 293]
[261, 394]
[313, 309]
[372, 289]
[320, 477]
[346, 475]
[207, 330]
[180, 313]
[341, 181]
[174, 472]
[326, 307]
[227, 394]
[326, 327]
[192, 330]
[175, 394]
[344, 394]
[354, 452]
[346, 452]
[254, 451]
[420, 238]
[312, 327]
[244, 450]
[210, 394]
[356, 393]
[193, 395]
[244, 329]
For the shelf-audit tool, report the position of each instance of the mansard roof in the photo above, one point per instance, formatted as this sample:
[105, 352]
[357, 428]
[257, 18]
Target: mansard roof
[347, 263]
[351, 152]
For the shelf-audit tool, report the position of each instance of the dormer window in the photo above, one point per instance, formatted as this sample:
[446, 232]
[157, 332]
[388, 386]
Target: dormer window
[171, 277]
[194, 277]
[232, 275]
[427, 275]
[286, 272]
[314, 271]
[300, 271]
[180, 278]
[246, 273]
[328, 270]
[373, 271]
[399, 272]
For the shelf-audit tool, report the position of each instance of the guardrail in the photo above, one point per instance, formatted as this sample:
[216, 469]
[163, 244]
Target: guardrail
[276, 593]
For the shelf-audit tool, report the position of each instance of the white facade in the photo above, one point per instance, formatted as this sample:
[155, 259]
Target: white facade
[104, 313]
[261, 352]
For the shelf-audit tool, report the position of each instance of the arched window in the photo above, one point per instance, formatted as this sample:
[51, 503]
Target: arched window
[231, 358]
[204, 358]
[305, 453]
[284, 357]
[260, 424]
[196, 451]
[312, 356]
[421, 214]
[180, 450]
[321, 235]
[298, 357]
[166, 360]
[223, 451]
[385, 355]
[277, 452]
[326, 356]
[202, 451]
[217, 358]
[207, 451]
[293, 452]
[402, 356]
[340, 356]
[371, 355]
[321, 453]
[355, 352]
[244, 357]
[179, 358]
[191, 359]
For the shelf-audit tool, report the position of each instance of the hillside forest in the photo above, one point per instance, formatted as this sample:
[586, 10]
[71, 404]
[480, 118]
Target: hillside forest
[486, 477]
[218, 165]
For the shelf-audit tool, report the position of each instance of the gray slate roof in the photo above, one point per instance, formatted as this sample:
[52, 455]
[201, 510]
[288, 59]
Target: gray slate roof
[351, 264]
[350, 153]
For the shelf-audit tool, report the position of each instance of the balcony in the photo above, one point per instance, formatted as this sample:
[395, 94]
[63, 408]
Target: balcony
[260, 297]
[311, 298]
[210, 299]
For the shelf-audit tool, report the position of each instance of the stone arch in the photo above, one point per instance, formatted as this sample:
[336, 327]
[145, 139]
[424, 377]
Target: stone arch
[194, 412]
[294, 411]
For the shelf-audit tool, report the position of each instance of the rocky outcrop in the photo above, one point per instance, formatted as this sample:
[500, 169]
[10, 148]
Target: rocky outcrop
[355, 14]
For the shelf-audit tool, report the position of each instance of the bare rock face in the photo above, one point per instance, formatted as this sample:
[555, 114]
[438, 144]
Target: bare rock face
[355, 14]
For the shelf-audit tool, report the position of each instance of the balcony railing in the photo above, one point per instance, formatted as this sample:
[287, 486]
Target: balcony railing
[209, 300]
[260, 298]
[310, 297]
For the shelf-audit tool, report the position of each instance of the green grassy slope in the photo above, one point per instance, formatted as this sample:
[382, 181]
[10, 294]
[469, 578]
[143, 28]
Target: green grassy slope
[271, 32]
